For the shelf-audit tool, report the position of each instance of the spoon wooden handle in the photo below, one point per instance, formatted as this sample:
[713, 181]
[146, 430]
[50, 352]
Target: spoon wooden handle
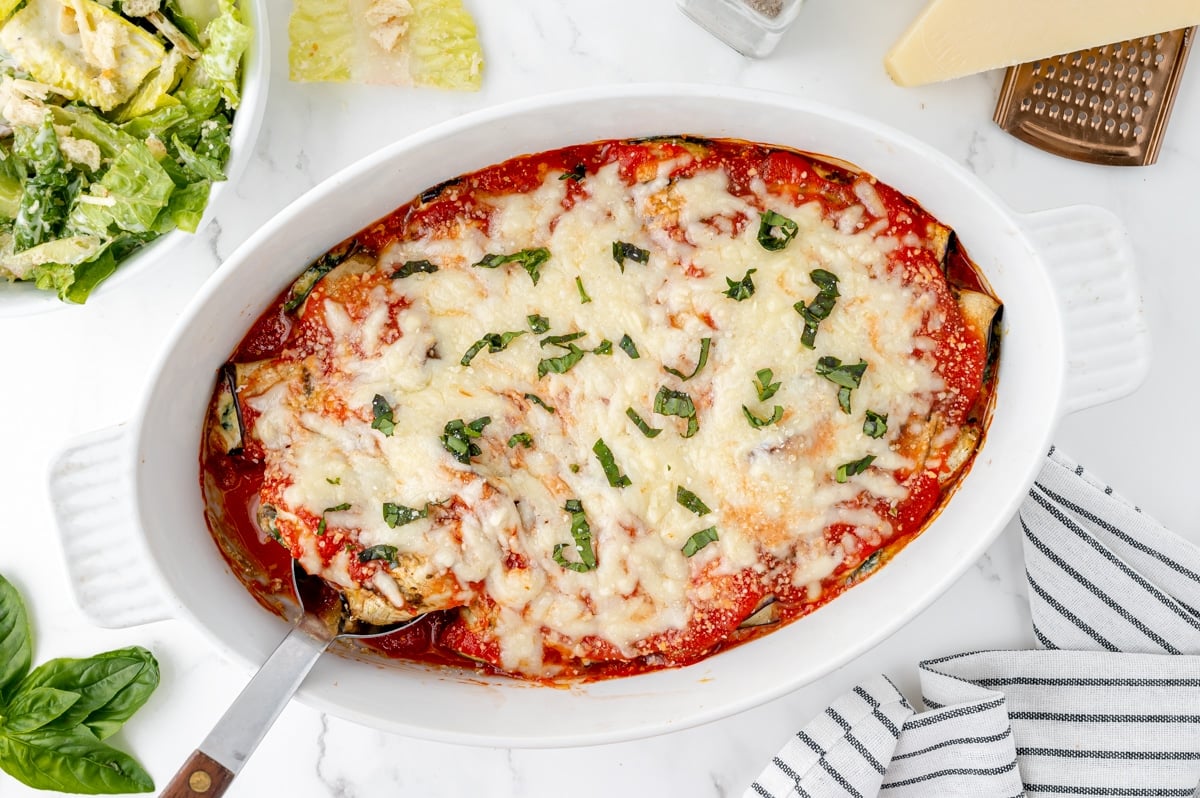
[200, 777]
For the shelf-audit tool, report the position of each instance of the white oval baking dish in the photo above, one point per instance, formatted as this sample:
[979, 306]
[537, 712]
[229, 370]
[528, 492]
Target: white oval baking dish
[23, 299]
[128, 500]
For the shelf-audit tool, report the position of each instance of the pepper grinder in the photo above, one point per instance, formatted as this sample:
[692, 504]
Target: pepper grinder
[752, 27]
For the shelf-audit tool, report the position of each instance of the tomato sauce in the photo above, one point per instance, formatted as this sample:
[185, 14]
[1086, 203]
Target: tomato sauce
[232, 484]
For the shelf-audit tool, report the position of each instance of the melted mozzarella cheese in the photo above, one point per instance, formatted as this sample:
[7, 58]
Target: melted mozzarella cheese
[771, 490]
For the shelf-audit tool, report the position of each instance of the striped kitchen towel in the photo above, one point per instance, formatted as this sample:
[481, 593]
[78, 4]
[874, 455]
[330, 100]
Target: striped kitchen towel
[1108, 705]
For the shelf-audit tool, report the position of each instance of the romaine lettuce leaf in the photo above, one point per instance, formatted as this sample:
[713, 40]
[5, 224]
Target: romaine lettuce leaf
[225, 41]
[11, 173]
[128, 197]
[46, 193]
[192, 16]
[187, 205]
[98, 57]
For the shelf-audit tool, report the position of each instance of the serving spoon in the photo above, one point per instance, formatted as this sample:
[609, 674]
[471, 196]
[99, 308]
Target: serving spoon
[324, 617]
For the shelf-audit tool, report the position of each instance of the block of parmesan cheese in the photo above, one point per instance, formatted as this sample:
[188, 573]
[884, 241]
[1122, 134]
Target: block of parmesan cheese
[952, 38]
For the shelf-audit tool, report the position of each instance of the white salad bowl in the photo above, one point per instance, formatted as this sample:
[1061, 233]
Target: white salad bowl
[23, 299]
[130, 510]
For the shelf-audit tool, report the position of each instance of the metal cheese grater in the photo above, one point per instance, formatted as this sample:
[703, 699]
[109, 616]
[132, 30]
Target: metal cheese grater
[1107, 105]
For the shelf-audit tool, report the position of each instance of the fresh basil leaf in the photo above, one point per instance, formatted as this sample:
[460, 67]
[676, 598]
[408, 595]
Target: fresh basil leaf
[539, 324]
[691, 501]
[647, 430]
[34, 708]
[561, 364]
[458, 438]
[847, 376]
[380, 552]
[603, 348]
[844, 400]
[16, 640]
[523, 438]
[583, 294]
[826, 281]
[677, 403]
[537, 400]
[607, 462]
[413, 267]
[742, 289]
[763, 385]
[111, 687]
[699, 541]
[705, 345]
[875, 424]
[561, 340]
[531, 261]
[383, 416]
[847, 470]
[577, 174]
[495, 342]
[395, 515]
[629, 347]
[623, 251]
[581, 532]
[339, 508]
[757, 422]
[775, 231]
[819, 309]
[70, 760]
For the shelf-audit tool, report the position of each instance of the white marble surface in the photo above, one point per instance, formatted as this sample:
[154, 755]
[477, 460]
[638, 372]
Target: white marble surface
[82, 368]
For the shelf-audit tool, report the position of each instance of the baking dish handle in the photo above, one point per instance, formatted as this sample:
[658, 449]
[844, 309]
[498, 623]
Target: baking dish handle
[91, 491]
[1090, 261]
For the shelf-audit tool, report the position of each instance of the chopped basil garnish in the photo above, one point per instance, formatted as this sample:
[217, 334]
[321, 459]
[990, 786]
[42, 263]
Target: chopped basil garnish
[846, 376]
[561, 364]
[581, 532]
[646, 429]
[742, 289]
[530, 259]
[757, 422]
[691, 501]
[875, 424]
[623, 251]
[821, 306]
[677, 403]
[577, 174]
[459, 437]
[629, 347]
[611, 471]
[699, 541]
[775, 231]
[334, 480]
[412, 267]
[847, 470]
[705, 345]
[603, 348]
[537, 400]
[495, 342]
[562, 340]
[380, 552]
[336, 509]
[395, 515]
[762, 383]
[539, 324]
[383, 416]
[523, 438]
[583, 294]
